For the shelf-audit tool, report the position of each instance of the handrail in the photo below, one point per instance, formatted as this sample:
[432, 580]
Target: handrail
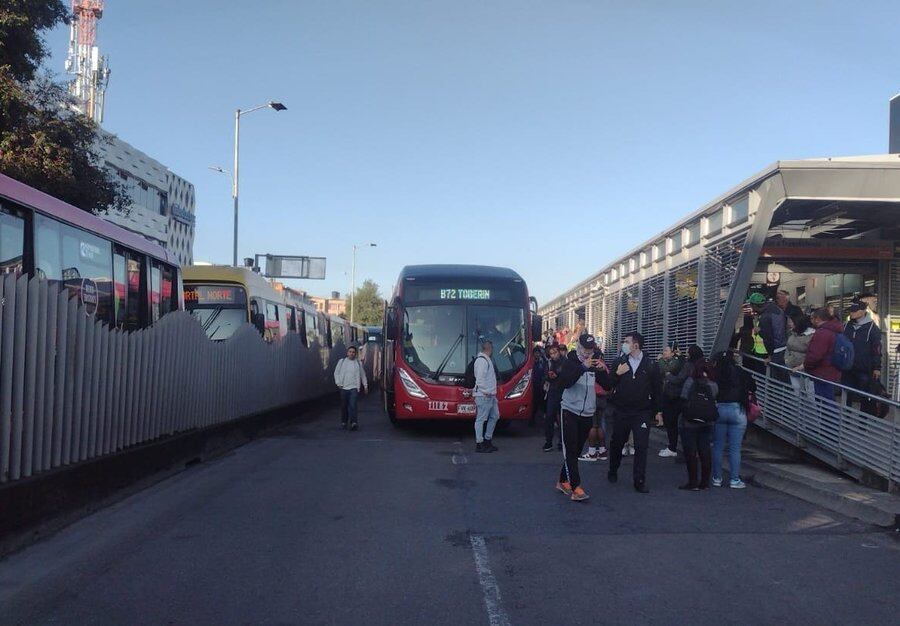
[768, 363]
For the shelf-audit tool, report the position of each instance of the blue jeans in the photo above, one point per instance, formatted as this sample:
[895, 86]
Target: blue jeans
[823, 389]
[732, 424]
[488, 410]
[348, 405]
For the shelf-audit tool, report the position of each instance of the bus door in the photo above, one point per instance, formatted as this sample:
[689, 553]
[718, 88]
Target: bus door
[129, 289]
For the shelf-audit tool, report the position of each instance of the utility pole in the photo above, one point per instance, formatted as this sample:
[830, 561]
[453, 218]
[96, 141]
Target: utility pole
[353, 275]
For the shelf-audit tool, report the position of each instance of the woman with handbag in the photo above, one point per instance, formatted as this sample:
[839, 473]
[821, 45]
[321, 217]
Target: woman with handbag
[735, 387]
[698, 416]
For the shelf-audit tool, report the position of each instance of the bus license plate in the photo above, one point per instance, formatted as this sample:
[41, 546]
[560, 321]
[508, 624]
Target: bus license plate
[465, 409]
[437, 405]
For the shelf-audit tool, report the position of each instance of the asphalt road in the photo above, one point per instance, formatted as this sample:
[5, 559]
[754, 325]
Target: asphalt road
[320, 526]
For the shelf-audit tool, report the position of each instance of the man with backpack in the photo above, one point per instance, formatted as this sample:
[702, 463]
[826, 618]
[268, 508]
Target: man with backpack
[824, 357]
[484, 391]
[865, 373]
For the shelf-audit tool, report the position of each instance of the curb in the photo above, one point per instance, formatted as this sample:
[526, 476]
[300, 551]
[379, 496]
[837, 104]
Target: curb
[826, 488]
[841, 496]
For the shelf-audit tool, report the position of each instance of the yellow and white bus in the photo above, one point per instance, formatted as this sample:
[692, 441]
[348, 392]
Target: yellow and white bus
[222, 298]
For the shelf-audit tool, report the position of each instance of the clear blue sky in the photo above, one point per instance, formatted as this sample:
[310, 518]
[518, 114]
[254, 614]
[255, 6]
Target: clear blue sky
[549, 136]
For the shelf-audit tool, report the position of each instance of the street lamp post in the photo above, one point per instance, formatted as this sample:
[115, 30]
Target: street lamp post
[277, 106]
[353, 275]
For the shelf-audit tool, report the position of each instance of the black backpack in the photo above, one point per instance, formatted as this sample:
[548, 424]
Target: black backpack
[701, 406]
[469, 376]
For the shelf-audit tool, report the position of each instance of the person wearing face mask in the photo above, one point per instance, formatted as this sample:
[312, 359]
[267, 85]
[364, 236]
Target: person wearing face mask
[581, 369]
[864, 334]
[636, 387]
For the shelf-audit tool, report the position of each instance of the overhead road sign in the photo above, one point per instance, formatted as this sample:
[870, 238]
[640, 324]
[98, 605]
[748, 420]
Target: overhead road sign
[281, 266]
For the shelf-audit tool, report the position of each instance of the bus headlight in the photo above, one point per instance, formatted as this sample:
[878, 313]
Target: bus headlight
[521, 387]
[410, 385]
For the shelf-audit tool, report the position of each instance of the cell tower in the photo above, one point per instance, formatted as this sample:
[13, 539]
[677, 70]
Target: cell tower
[90, 71]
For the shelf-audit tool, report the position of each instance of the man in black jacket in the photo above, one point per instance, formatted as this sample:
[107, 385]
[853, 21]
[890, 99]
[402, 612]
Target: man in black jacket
[865, 374]
[636, 387]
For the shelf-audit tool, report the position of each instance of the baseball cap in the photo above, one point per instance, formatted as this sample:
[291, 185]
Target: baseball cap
[756, 298]
[587, 341]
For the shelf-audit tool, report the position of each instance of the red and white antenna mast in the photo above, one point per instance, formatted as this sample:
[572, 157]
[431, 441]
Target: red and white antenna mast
[90, 70]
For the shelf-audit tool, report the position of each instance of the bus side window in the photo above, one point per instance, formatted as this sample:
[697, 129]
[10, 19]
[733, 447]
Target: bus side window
[120, 289]
[311, 328]
[292, 319]
[72, 256]
[12, 242]
[272, 331]
[169, 290]
[155, 292]
[283, 319]
[135, 313]
[328, 331]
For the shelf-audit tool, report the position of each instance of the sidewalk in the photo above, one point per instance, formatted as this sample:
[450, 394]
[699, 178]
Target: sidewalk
[812, 483]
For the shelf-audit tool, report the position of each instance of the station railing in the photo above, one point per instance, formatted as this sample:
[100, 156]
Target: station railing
[833, 431]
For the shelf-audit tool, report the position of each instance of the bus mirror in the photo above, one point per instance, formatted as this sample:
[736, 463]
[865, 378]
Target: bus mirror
[259, 320]
[390, 332]
[537, 323]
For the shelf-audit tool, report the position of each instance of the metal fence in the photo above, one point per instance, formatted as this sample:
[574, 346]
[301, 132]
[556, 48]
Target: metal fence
[72, 389]
[833, 431]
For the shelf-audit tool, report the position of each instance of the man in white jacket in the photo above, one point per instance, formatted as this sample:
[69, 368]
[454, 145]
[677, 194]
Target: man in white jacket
[485, 393]
[350, 378]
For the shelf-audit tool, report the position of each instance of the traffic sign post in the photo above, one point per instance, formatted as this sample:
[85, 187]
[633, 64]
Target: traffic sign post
[283, 266]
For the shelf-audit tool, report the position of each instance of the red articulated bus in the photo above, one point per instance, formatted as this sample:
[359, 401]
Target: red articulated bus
[433, 326]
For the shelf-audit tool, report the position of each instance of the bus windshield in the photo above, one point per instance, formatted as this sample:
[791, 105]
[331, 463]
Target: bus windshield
[218, 322]
[220, 309]
[443, 338]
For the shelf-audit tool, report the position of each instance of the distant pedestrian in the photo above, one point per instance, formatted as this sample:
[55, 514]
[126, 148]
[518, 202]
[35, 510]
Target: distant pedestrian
[538, 373]
[671, 369]
[485, 394]
[554, 395]
[350, 378]
[580, 371]
[773, 330]
[698, 416]
[636, 389]
[865, 375]
[800, 333]
[735, 386]
[818, 360]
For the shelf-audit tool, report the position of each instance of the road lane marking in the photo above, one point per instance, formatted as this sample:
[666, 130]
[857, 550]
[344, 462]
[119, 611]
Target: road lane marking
[491, 591]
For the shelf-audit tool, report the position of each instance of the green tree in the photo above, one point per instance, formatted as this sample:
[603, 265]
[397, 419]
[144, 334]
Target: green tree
[42, 142]
[368, 305]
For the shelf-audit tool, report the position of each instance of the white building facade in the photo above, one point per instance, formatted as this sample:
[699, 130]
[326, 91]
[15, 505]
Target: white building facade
[162, 203]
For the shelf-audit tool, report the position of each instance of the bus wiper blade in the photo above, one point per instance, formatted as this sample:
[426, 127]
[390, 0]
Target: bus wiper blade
[440, 369]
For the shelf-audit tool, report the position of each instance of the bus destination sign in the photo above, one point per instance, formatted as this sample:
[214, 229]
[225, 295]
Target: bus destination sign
[213, 294]
[465, 294]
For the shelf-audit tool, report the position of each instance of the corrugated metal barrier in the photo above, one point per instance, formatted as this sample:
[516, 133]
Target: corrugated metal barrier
[72, 389]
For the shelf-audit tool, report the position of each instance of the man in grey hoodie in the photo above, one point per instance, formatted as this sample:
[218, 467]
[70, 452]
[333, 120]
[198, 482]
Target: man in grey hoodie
[579, 372]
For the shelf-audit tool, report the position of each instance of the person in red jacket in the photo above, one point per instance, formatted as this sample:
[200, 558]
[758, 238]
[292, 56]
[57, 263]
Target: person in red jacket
[818, 355]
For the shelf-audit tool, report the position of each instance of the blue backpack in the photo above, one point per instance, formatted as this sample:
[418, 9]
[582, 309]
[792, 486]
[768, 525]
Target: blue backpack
[842, 356]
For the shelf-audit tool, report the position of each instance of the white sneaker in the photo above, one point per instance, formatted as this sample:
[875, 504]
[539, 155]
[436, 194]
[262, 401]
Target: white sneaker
[666, 453]
[716, 482]
[587, 456]
[628, 450]
[737, 483]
